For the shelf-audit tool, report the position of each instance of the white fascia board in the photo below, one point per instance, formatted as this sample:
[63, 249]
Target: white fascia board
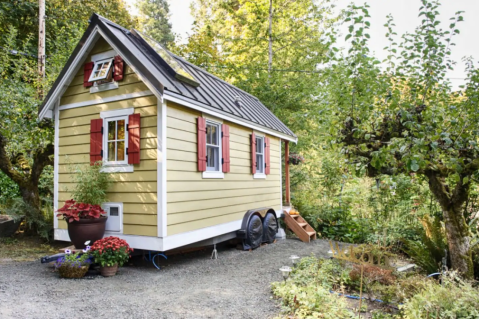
[170, 96]
[67, 78]
[134, 51]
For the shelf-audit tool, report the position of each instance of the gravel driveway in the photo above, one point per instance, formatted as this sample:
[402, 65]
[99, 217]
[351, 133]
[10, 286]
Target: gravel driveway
[237, 285]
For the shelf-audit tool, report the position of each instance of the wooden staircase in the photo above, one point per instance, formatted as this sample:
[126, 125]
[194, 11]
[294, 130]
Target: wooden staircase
[300, 227]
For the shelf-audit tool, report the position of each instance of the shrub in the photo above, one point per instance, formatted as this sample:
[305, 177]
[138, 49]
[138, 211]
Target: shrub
[453, 299]
[91, 184]
[306, 294]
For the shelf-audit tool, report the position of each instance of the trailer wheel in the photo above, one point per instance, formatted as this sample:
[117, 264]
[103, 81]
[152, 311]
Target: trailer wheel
[270, 228]
[254, 234]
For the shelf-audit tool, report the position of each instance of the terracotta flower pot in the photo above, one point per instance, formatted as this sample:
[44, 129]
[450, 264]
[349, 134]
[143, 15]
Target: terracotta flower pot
[67, 271]
[108, 271]
[86, 229]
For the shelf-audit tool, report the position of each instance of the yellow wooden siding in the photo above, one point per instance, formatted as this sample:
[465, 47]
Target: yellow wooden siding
[138, 190]
[194, 202]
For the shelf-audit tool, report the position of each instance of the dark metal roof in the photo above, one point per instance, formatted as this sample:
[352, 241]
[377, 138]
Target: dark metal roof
[212, 92]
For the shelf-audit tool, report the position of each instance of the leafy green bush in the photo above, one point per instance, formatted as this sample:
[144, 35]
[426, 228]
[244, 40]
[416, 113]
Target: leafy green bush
[306, 294]
[91, 184]
[8, 189]
[453, 299]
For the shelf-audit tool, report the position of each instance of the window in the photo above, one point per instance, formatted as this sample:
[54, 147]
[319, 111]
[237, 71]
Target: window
[116, 141]
[102, 70]
[213, 147]
[259, 155]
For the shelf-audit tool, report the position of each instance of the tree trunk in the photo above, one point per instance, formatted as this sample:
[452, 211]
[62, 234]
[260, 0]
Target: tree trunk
[457, 230]
[31, 196]
[459, 242]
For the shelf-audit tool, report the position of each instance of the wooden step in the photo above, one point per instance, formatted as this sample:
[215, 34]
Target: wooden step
[300, 227]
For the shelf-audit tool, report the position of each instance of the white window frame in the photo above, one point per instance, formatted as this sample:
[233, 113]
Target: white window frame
[259, 174]
[97, 65]
[104, 86]
[210, 172]
[117, 166]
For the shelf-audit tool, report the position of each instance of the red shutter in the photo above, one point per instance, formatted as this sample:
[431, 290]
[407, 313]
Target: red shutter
[266, 156]
[225, 130]
[96, 141]
[87, 69]
[134, 139]
[118, 65]
[201, 144]
[253, 154]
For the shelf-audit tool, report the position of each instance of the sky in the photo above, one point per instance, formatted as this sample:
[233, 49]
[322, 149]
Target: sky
[405, 13]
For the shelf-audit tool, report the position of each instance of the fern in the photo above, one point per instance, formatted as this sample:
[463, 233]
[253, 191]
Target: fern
[428, 252]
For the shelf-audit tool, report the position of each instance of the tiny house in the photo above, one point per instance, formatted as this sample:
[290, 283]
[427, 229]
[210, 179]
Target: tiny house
[195, 160]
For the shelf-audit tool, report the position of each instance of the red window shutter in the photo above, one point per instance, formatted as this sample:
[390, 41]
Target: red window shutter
[87, 69]
[266, 156]
[96, 141]
[134, 139]
[253, 154]
[225, 130]
[201, 144]
[118, 65]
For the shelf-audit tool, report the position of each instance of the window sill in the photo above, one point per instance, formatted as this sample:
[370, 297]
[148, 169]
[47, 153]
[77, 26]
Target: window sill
[104, 87]
[117, 169]
[259, 175]
[210, 174]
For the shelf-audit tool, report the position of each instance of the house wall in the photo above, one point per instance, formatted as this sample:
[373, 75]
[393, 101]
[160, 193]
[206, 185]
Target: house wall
[193, 202]
[138, 190]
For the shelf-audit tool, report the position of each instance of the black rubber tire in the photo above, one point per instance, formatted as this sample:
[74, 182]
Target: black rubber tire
[270, 228]
[254, 232]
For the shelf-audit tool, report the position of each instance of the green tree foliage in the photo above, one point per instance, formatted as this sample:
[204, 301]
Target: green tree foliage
[231, 40]
[26, 149]
[154, 21]
[401, 116]
[61, 16]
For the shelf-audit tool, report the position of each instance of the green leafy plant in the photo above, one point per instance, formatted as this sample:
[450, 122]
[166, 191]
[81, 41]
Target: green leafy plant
[74, 260]
[430, 250]
[455, 298]
[91, 184]
[110, 251]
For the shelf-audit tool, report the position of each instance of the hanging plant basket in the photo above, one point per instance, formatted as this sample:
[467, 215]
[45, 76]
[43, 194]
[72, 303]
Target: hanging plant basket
[295, 159]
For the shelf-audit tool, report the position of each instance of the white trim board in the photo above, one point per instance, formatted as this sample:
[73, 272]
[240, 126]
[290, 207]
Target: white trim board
[196, 106]
[161, 169]
[167, 243]
[56, 156]
[106, 100]
[72, 70]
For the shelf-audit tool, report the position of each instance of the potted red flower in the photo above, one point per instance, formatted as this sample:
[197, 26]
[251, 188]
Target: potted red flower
[83, 213]
[85, 222]
[110, 252]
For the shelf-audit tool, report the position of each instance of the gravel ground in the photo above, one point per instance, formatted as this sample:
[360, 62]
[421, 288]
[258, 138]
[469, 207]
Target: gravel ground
[236, 285]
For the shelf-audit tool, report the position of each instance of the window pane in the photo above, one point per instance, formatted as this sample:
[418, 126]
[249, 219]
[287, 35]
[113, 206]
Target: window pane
[111, 130]
[111, 151]
[121, 130]
[259, 145]
[121, 151]
[208, 134]
[214, 133]
[210, 152]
